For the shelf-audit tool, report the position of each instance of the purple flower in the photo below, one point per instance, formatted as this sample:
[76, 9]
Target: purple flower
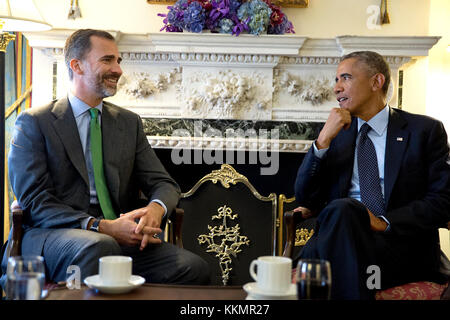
[240, 26]
[219, 9]
[194, 17]
[226, 16]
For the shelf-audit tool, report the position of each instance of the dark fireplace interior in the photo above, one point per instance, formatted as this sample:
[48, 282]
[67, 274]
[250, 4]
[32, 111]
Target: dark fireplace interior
[283, 181]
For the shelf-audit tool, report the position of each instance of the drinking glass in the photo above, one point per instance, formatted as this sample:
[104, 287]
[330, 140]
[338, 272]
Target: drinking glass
[25, 278]
[313, 279]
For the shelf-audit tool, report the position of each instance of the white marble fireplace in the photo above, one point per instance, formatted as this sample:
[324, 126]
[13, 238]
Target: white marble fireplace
[180, 82]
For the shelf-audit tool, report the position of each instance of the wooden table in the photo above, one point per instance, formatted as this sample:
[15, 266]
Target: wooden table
[153, 292]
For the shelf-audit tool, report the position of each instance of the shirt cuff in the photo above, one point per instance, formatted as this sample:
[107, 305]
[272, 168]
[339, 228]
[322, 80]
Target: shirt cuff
[162, 205]
[85, 222]
[387, 221]
[319, 153]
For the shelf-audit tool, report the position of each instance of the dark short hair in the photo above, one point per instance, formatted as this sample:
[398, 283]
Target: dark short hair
[375, 64]
[79, 44]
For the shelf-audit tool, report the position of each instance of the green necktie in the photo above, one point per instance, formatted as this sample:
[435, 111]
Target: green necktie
[97, 164]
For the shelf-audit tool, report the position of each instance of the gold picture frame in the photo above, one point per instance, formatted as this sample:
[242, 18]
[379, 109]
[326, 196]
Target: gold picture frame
[281, 3]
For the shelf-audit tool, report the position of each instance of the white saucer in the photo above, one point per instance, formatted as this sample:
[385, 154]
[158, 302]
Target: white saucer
[94, 282]
[255, 293]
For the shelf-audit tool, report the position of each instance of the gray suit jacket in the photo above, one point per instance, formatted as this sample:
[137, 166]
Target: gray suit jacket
[48, 171]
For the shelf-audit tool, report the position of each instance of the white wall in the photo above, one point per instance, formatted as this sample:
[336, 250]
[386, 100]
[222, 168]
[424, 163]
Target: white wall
[438, 103]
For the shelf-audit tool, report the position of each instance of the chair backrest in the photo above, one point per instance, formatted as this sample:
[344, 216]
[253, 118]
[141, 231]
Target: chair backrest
[294, 231]
[228, 223]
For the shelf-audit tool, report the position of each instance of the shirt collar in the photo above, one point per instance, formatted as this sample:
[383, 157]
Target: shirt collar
[79, 107]
[379, 122]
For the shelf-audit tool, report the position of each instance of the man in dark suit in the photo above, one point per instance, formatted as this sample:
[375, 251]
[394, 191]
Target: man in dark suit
[55, 178]
[381, 210]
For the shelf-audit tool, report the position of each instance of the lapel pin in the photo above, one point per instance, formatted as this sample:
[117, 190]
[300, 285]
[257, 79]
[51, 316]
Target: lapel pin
[399, 139]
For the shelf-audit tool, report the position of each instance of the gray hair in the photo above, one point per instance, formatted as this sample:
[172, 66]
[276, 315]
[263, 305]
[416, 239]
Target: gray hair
[79, 44]
[375, 63]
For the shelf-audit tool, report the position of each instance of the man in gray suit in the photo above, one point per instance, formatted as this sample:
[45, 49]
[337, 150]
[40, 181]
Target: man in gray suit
[52, 175]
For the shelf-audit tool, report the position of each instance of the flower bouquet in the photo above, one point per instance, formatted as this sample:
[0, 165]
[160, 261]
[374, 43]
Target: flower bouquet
[226, 16]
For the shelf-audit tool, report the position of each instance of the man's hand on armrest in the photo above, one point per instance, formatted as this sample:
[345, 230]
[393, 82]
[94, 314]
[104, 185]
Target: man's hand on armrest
[306, 213]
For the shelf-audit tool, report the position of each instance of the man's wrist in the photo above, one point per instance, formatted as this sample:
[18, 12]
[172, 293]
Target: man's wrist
[161, 204]
[156, 205]
[90, 223]
[94, 226]
[322, 143]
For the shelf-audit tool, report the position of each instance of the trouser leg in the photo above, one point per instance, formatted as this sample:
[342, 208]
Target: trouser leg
[82, 248]
[344, 238]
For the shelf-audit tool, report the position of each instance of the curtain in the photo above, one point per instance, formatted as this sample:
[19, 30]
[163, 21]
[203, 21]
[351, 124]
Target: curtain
[18, 64]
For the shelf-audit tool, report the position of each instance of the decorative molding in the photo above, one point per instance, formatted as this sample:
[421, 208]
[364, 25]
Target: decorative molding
[229, 240]
[311, 89]
[395, 62]
[388, 46]
[142, 84]
[309, 60]
[227, 95]
[313, 114]
[267, 77]
[235, 144]
[187, 42]
[143, 57]
[214, 59]
[320, 48]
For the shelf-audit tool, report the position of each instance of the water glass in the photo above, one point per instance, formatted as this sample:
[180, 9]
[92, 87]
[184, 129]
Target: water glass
[313, 279]
[25, 278]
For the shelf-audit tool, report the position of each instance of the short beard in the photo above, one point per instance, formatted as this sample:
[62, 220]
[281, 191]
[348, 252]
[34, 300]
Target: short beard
[102, 89]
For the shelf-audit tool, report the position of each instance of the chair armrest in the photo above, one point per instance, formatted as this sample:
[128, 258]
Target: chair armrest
[290, 232]
[291, 220]
[175, 229]
[14, 247]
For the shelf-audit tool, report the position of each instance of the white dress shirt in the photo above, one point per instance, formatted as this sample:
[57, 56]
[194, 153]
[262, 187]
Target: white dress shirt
[378, 135]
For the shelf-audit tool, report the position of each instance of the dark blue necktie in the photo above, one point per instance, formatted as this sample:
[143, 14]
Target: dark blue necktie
[369, 178]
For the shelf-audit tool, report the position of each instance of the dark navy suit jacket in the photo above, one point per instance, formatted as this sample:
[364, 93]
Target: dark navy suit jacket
[417, 180]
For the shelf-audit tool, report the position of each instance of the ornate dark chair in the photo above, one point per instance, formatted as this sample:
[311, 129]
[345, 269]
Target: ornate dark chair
[295, 220]
[294, 230]
[228, 223]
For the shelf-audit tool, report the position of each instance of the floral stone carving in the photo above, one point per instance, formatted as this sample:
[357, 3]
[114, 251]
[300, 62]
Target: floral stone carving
[312, 90]
[228, 95]
[141, 85]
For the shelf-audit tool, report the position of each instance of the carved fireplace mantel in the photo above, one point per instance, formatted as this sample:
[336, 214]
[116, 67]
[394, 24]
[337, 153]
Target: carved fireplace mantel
[206, 90]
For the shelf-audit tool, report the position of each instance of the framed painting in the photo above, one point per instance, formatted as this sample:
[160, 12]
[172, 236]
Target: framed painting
[281, 3]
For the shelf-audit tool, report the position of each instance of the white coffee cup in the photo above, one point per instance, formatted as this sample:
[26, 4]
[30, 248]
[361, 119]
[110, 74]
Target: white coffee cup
[273, 273]
[115, 270]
